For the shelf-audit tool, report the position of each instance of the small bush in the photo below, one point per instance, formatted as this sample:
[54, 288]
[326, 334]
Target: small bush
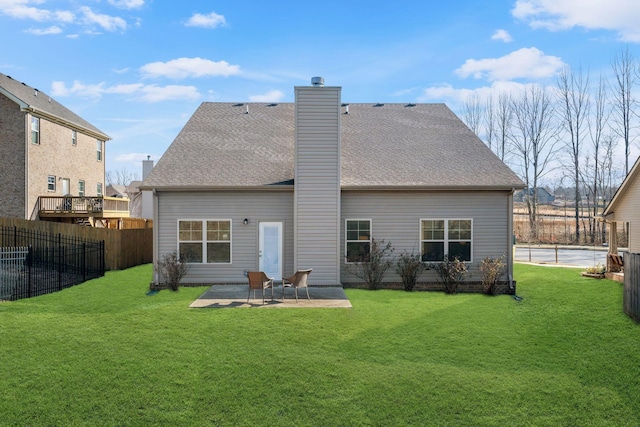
[451, 272]
[372, 266]
[409, 266]
[492, 269]
[172, 270]
[597, 269]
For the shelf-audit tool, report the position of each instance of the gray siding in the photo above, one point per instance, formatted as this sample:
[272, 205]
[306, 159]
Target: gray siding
[256, 206]
[317, 182]
[627, 211]
[396, 218]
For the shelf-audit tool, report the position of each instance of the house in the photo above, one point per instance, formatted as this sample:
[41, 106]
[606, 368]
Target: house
[309, 184]
[623, 208]
[53, 152]
[544, 197]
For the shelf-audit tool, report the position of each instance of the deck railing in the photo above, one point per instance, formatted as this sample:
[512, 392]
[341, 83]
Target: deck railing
[98, 206]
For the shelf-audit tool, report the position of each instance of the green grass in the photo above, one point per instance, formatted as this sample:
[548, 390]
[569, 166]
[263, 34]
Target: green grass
[104, 353]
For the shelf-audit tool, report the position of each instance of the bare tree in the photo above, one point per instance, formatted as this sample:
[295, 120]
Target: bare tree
[623, 66]
[535, 138]
[573, 91]
[472, 112]
[597, 125]
[490, 124]
[504, 121]
[121, 176]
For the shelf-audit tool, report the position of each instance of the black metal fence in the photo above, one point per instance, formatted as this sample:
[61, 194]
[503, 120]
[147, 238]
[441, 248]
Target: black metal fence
[35, 263]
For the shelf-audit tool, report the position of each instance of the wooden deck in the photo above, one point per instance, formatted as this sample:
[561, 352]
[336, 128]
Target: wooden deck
[83, 207]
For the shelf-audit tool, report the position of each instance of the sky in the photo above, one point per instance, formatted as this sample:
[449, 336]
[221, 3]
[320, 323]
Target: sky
[138, 69]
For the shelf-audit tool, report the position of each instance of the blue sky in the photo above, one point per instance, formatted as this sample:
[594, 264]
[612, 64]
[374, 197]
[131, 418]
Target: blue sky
[138, 69]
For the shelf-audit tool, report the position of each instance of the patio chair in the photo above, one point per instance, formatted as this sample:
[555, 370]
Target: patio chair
[298, 280]
[259, 280]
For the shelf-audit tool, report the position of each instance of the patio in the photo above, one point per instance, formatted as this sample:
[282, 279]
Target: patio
[229, 296]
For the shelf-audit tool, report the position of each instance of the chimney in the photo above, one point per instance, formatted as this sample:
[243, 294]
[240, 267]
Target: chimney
[147, 166]
[317, 181]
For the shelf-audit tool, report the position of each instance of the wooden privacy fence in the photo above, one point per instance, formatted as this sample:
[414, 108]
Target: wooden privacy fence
[631, 297]
[123, 248]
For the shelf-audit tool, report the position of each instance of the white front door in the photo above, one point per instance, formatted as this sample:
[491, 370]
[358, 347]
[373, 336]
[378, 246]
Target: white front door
[270, 247]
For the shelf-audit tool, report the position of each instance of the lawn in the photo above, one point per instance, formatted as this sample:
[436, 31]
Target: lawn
[105, 353]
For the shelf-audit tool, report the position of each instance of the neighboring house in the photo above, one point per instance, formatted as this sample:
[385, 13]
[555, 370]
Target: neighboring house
[282, 187]
[46, 150]
[624, 208]
[544, 197]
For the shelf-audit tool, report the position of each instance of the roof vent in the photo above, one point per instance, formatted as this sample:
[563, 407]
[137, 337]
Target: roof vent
[379, 105]
[273, 104]
[35, 92]
[410, 105]
[240, 104]
[247, 111]
[317, 81]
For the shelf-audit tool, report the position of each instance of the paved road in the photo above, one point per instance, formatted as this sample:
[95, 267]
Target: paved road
[582, 257]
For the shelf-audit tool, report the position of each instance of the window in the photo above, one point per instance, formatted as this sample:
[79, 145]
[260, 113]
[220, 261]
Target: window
[99, 189]
[358, 239]
[99, 150]
[451, 237]
[35, 130]
[205, 241]
[74, 138]
[81, 188]
[51, 183]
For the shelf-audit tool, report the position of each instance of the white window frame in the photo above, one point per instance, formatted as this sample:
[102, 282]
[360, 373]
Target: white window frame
[99, 189]
[98, 150]
[446, 240]
[81, 187]
[35, 130]
[205, 240]
[347, 240]
[51, 183]
[74, 137]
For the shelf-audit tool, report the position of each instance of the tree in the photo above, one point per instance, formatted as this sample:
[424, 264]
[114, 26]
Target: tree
[490, 124]
[623, 66]
[472, 112]
[534, 140]
[573, 91]
[504, 121]
[121, 177]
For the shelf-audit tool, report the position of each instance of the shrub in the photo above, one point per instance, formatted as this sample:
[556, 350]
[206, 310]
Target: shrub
[409, 266]
[492, 269]
[172, 269]
[451, 272]
[597, 269]
[372, 267]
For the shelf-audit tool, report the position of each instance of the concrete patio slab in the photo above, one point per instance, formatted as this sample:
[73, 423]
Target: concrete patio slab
[229, 296]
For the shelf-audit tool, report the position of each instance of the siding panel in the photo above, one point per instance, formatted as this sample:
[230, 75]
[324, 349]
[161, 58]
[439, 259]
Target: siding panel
[396, 218]
[256, 206]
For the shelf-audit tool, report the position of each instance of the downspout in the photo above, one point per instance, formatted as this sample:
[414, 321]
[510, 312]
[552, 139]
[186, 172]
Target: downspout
[510, 242]
[155, 236]
[27, 135]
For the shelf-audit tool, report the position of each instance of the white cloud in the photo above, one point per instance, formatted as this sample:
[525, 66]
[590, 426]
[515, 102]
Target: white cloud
[44, 31]
[107, 22]
[212, 20]
[621, 16]
[529, 63]
[271, 96]
[23, 9]
[131, 157]
[189, 67]
[449, 94]
[127, 4]
[502, 35]
[134, 91]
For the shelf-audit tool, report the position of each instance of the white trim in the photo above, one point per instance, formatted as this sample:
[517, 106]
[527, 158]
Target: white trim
[204, 240]
[347, 240]
[446, 239]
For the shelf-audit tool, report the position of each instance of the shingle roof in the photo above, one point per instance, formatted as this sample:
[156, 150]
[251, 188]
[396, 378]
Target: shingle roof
[391, 145]
[43, 103]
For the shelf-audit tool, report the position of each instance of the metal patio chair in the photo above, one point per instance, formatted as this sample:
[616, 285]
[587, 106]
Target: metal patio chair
[298, 280]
